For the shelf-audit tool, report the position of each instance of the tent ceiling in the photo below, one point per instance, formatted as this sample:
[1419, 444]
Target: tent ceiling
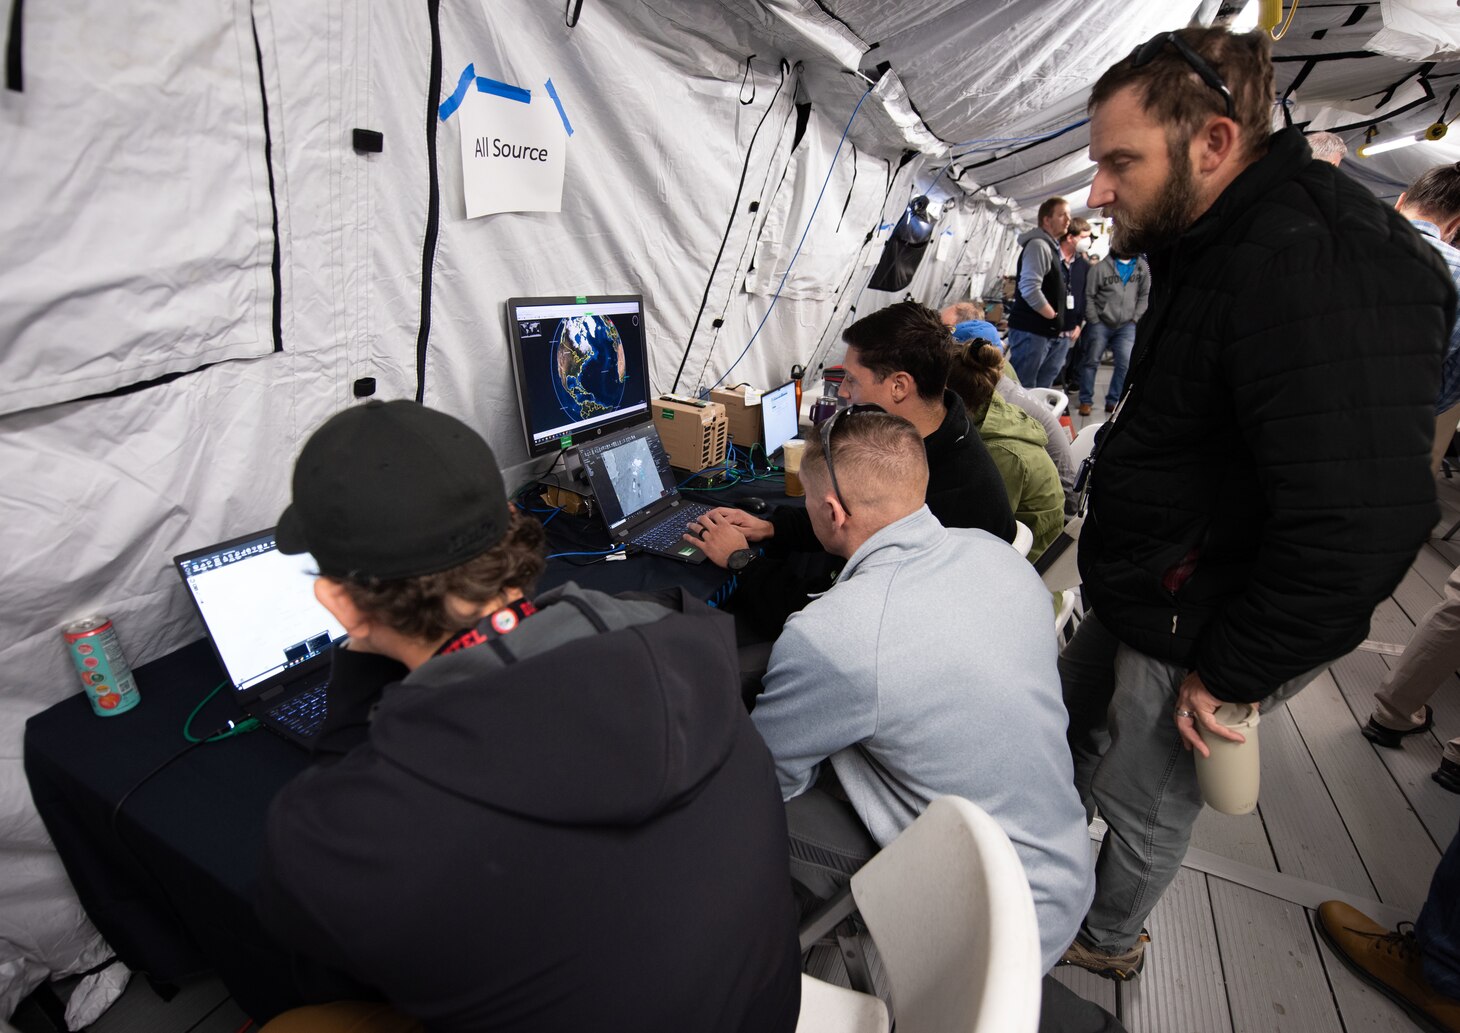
[981, 73]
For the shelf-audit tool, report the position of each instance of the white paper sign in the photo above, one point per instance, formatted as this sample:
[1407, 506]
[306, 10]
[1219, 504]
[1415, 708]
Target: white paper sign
[512, 154]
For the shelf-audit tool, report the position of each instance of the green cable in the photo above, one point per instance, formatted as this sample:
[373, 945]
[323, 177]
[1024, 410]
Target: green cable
[238, 729]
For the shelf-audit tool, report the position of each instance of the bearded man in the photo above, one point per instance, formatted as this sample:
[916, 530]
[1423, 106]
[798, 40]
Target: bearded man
[1265, 480]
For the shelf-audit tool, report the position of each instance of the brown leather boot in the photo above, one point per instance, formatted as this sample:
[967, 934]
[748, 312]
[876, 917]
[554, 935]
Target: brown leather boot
[1388, 961]
[1084, 408]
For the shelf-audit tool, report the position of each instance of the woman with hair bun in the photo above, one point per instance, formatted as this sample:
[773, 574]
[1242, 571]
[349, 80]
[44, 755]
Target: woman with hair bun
[1015, 440]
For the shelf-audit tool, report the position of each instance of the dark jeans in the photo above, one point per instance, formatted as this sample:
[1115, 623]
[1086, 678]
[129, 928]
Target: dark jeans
[1438, 928]
[1097, 337]
[829, 843]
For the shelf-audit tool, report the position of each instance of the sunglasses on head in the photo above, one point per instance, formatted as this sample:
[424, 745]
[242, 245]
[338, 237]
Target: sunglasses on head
[828, 427]
[1147, 52]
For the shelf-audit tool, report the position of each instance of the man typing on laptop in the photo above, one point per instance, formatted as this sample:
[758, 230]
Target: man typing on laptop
[498, 836]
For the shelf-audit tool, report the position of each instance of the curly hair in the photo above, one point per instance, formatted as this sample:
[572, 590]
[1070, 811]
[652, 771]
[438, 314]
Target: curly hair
[432, 606]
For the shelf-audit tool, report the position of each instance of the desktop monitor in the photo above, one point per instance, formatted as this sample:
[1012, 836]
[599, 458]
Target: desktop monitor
[781, 420]
[580, 365]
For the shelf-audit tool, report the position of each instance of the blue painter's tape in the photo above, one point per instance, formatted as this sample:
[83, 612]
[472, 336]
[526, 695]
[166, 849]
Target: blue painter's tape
[553, 93]
[501, 89]
[450, 104]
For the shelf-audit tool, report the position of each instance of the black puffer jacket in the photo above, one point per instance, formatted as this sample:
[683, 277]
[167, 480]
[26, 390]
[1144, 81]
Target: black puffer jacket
[1267, 480]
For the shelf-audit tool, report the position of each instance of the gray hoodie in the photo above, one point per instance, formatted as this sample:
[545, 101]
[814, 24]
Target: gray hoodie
[929, 669]
[1112, 302]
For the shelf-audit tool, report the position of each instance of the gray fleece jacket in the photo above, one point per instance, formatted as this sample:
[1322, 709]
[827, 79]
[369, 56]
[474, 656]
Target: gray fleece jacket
[929, 669]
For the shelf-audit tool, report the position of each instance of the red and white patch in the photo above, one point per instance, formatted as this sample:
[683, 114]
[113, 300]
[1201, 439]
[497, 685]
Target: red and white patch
[504, 621]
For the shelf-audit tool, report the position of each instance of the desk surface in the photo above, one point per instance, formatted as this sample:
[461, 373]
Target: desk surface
[169, 882]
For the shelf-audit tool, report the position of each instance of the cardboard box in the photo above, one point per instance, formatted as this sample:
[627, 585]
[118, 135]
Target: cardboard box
[746, 426]
[696, 434]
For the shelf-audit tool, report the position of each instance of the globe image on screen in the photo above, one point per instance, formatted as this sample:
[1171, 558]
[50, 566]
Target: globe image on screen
[588, 359]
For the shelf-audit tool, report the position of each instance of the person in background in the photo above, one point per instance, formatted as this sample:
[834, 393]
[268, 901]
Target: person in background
[1266, 481]
[1061, 365]
[928, 669]
[896, 358]
[966, 321]
[1037, 317]
[1014, 439]
[1116, 295]
[1432, 206]
[1328, 147]
[524, 814]
[1417, 968]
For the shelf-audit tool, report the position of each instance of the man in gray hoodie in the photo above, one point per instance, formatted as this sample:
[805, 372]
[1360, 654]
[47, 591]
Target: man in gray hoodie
[927, 670]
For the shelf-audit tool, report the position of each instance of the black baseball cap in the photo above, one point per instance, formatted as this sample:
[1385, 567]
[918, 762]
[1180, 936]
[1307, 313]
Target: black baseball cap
[393, 490]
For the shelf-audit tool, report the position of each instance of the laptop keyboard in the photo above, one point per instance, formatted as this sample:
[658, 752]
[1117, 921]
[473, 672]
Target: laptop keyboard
[666, 534]
[302, 714]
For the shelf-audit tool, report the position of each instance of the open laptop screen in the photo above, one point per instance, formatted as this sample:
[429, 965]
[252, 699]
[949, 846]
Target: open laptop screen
[628, 473]
[782, 421]
[259, 607]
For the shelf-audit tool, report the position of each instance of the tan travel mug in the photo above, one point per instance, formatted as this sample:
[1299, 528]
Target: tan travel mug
[1229, 778]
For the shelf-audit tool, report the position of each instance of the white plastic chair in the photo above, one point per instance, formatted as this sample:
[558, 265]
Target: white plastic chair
[1023, 538]
[950, 911]
[1065, 611]
[835, 1009]
[1084, 442]
[1057, 401]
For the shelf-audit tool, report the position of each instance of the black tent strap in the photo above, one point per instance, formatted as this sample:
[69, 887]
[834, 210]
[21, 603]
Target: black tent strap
[276, 264]
[12, 48]
[433, 205]
[744, 101]
[571, 10]
[730, 222]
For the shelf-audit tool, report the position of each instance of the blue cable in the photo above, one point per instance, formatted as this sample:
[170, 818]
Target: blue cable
[797, 253]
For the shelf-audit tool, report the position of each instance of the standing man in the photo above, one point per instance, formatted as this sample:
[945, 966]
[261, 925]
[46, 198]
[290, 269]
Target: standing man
[1432, 206]
[1075, 267]
[1266, 479]
[1116, 296]
[1038, 316]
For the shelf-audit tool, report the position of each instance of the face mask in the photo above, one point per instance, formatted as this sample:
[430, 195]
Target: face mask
[1082, 245]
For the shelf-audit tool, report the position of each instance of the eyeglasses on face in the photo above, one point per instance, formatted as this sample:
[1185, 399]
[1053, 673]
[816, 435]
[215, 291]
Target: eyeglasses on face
[1147, 52]
[828, 427]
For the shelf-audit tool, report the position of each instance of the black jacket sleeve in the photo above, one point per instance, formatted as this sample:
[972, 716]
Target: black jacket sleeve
[356, 681]
[1335, 404]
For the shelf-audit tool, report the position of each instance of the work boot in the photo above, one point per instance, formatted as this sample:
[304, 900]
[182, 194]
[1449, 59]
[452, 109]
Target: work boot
[1084, 408]
[1394, 740]
[1387, 961]
[1121, 967]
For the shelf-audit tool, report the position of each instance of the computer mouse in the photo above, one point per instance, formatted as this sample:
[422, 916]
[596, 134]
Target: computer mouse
[754, 505]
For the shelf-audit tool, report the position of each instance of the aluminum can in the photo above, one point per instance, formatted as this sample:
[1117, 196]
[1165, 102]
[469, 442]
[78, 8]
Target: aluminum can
[97, 653]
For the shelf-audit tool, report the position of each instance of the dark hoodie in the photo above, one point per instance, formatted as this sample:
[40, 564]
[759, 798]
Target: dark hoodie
[583, 833]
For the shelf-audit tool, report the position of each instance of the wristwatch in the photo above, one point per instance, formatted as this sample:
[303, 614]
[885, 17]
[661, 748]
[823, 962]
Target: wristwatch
[740, 559]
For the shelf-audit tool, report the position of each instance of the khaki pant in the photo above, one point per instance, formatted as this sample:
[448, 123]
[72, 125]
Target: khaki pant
[1429, 661]
[342, 1017]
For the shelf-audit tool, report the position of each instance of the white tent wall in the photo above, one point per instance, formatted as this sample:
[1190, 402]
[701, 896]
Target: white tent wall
[100, 493]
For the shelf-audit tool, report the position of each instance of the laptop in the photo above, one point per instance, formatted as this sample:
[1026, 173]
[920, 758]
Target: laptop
[780, 421]
[630, 477]
[270, 634]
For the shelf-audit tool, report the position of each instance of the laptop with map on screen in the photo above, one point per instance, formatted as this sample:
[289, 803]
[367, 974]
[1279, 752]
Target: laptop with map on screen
[636, 494]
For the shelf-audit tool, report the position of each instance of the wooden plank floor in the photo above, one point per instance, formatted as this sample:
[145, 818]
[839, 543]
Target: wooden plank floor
[1233, 943]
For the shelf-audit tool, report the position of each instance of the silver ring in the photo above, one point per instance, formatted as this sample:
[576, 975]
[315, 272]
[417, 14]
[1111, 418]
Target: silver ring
[1186, 713]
